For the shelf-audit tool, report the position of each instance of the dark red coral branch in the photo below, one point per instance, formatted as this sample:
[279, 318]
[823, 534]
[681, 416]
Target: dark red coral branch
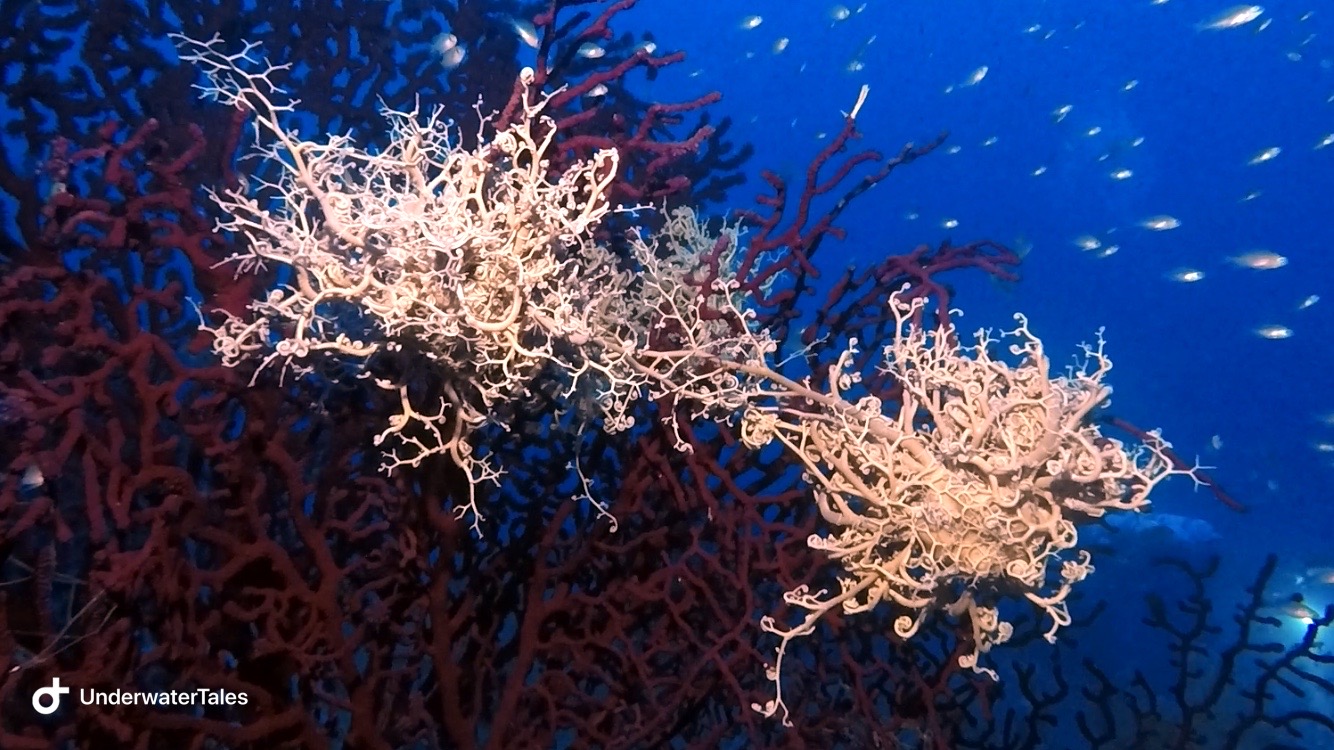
[593, 109]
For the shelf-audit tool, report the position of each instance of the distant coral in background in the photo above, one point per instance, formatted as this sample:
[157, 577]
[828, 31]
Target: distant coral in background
[1257, 680]
[1248, 671]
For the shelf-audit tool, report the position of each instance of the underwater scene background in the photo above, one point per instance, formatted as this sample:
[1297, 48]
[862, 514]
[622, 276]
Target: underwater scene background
[578, 444]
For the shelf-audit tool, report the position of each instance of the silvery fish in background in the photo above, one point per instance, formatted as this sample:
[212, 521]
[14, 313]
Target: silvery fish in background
[32, 478]
[1234, 17]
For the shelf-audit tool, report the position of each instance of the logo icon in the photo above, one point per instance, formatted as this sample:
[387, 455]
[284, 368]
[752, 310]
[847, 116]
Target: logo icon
[46, 700]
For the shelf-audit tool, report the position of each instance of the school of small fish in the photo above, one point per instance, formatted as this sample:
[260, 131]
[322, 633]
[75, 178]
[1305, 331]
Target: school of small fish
[1223, 22]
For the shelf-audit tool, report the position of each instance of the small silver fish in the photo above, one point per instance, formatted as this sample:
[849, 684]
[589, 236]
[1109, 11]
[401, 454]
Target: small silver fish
[32, 477]
[1234, 17]
[1160, 223]
[976, 76]
[525, 31]
[1187, 275]
[1273, 332]
[590, 50]
[1298, 611]
[1087, 242]
[1265, 155]
[1259, 260]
